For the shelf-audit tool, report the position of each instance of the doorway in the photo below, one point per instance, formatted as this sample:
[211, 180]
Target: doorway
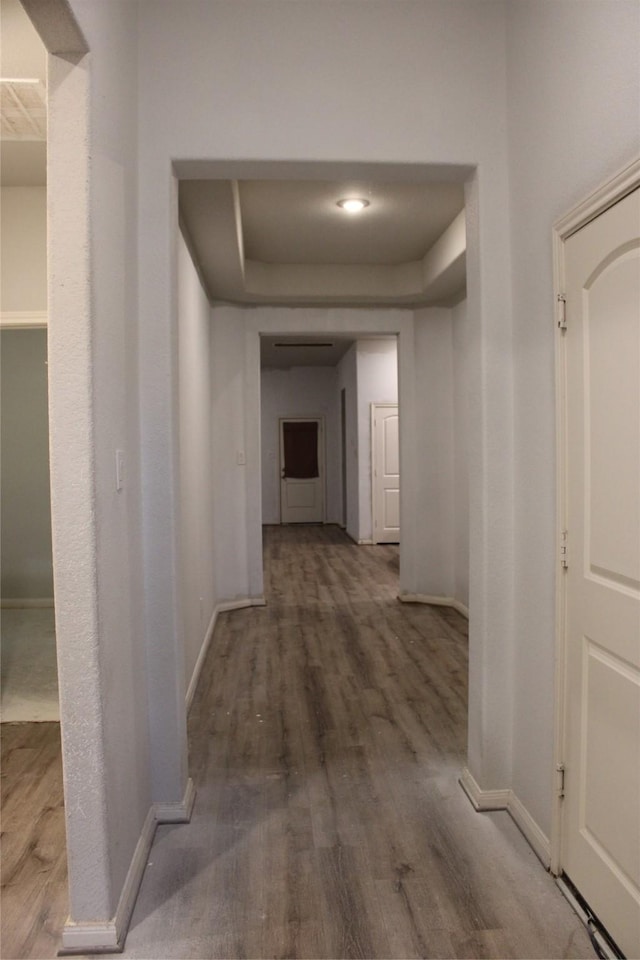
[385, 472]
[302, 470]
[599, 592]
[29, 673]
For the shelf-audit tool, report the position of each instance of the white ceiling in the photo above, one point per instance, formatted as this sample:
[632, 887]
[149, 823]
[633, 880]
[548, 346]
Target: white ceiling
[287, 242]
[299, 222]
[23, 106]
[287, 351]
[279, 241]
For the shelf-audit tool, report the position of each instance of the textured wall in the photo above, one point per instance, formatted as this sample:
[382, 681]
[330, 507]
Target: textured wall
[94, 402]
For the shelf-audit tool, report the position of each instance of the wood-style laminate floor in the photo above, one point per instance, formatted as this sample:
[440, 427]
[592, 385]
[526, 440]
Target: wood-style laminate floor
[326, 737]
[34, 862]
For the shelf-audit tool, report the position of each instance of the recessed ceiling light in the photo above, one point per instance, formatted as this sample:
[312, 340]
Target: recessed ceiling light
[353, 204]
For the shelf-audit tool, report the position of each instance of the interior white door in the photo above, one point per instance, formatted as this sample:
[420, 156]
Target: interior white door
[600, 848]
[301, 470]
[385, 481]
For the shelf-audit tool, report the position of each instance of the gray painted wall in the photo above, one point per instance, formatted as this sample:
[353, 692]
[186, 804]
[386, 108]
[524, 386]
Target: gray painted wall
[24, 478]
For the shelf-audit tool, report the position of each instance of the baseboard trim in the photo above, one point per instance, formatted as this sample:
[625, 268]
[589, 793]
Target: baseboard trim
[23, 319]
[366, 542]
[485, 800]
[219, 608]
[26, 603]
[109, 936]
[435, 600]
[461, 608]
[179, 812]
[535, 837]
[197, 670]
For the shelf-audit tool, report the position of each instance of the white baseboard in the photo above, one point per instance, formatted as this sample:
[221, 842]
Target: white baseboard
[219, 608]
[26, 603]
[197, 670]
[435, 600]
[179, 812]
[535, 837]
[484, 800]
[461, 608]
[109, 936]
[23, 319]
[366, 543]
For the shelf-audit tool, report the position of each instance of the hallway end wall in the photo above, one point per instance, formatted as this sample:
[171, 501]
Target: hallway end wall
[299, 392]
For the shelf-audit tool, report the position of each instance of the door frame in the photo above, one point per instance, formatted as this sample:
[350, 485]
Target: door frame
[321, 459]
[597, 203]
[374, 407]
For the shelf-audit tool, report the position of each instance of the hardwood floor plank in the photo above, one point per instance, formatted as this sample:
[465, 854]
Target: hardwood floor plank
[34, 866]
[326, 738]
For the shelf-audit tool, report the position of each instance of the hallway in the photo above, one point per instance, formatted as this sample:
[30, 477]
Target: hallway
[327, 735]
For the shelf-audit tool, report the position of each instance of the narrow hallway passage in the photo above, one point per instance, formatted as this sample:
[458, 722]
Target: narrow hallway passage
[326, 738]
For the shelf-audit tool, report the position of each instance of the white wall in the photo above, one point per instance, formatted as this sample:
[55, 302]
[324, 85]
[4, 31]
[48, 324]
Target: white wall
[23, 227]
[228, 440]
[462, 402]
[196, 477]
[26, 500]
[434, 448]
[574, 109]
[441, 65]
[299, 392]
[348, 381]
[286, 80]
[94, 411]
[377, 383]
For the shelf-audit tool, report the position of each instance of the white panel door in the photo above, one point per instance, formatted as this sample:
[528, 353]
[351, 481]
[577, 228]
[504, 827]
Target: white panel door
[301, 470]
[601, 811]
[385, 480]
